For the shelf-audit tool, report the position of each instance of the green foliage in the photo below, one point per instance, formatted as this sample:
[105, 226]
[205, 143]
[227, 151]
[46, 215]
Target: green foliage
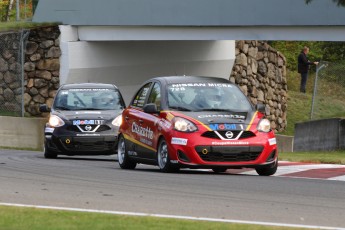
[324, 157]
[339, 2]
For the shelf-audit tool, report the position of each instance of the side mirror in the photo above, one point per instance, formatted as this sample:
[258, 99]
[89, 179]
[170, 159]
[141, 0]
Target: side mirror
[150, 108]
[261, 108]
[44, 108]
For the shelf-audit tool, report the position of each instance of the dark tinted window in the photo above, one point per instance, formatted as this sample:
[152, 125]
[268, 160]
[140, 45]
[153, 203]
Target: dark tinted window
[88, 99]
[155, 96]
[139, 99]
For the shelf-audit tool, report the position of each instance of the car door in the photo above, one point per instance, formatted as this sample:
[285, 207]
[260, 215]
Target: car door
[136, 132]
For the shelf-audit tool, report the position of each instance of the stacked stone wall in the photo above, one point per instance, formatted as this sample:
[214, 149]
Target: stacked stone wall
[42, 66]
[260, 71]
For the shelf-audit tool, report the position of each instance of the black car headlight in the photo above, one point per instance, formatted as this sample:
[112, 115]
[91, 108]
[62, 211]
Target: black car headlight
[55, 121]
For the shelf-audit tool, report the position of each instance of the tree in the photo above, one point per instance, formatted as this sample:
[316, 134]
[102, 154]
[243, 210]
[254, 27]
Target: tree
[339, 2]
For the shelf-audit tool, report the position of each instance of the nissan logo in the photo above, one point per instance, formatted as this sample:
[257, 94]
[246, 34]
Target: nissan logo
[229, 134]
[88, 128]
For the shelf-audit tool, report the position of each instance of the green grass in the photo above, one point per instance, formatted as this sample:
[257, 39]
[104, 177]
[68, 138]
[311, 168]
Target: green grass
[324, 157]
[14, 26]
[329, 103]
[17, 218]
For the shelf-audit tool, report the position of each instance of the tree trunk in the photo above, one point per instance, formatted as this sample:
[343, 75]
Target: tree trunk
[9, 8]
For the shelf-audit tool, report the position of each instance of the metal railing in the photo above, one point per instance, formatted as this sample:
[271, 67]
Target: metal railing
[12, 46]
[329, 91]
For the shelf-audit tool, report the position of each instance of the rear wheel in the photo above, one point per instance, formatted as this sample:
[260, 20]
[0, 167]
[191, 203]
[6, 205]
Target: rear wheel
[267, 170]
[48, 154]
[219, 169]
[163, 158]
[122, 155]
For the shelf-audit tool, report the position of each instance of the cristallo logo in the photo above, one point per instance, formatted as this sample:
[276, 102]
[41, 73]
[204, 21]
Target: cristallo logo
[142, 131]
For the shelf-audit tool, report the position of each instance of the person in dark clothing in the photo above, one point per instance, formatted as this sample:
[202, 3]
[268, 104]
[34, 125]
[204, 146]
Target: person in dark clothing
[303, 67]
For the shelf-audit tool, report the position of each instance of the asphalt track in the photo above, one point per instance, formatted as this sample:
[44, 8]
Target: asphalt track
[98, 183]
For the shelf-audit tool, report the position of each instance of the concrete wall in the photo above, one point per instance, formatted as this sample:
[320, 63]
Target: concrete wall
[128, 64]
[18, 132]
[326, 134]
[285, 143]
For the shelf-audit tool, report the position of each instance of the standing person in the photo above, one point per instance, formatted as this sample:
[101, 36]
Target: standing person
[303, 67]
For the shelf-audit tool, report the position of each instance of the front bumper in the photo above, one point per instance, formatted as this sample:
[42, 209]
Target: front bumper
[81, 144]
[204, 152]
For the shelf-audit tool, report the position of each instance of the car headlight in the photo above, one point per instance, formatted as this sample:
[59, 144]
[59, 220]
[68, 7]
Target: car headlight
[184, 125]
[264, 126]
[117, 121]
[55, 121]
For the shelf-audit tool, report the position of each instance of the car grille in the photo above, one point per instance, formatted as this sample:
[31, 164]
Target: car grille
[91, 146]
[101, 128]
[229, 153]
[243, 135]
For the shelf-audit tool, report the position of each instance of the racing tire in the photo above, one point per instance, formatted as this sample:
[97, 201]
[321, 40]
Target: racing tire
[122, 155]
[268, 170]
[219, 170]
[48, 154]
[163, 159]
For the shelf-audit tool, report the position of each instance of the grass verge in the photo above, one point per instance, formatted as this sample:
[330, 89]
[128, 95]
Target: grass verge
[41, 219]
[14, 26]
[331, 157]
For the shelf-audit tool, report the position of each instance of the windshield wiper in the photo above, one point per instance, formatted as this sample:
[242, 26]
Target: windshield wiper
[215, 109]
[180, 108]
[62, 108]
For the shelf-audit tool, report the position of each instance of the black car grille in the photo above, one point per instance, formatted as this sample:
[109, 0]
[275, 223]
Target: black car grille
[244, 134]
[75, 128]
[229, 153]
[91, 146]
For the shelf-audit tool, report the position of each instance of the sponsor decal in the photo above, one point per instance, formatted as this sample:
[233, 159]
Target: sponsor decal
[272, 141]
[230, 143]
[88, 90]
[142, 131]
[132, 153]
[231, 116]
[164, 123]
[88, 135]
[179, 141]
[174, 161]
[223, 126]
[89, 112]
[88, 122]
[145, 141]
[49, 130]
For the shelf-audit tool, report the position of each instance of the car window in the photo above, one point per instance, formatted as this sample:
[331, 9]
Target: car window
[140, 97]
[155, 96]
[88, 99]
[207, 96]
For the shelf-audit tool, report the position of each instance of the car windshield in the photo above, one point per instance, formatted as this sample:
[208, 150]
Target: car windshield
[88, 99]
[206, 97]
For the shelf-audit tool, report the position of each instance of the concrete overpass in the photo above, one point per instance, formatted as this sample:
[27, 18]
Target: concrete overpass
[127, 41]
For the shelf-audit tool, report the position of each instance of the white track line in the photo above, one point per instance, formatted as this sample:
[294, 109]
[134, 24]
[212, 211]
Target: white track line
[174, 216]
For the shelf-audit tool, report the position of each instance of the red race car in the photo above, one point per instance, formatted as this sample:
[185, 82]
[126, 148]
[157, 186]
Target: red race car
[195, 122]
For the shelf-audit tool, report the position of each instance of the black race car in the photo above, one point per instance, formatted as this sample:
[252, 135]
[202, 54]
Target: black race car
[84, 120]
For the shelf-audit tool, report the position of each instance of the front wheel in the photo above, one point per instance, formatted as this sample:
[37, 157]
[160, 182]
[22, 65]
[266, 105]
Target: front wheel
[122, 155]
[163, 158]
[268, 170]
[48, 154]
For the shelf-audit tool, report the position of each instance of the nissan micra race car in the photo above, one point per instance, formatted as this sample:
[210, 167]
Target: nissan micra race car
[84, 120]
[195, 122]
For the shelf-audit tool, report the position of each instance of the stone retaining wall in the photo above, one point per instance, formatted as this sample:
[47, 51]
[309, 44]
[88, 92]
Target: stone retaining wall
[41, 68]
[260, 71]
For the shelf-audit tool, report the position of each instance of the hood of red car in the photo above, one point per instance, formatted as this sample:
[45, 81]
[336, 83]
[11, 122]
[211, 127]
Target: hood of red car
[219, 119]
